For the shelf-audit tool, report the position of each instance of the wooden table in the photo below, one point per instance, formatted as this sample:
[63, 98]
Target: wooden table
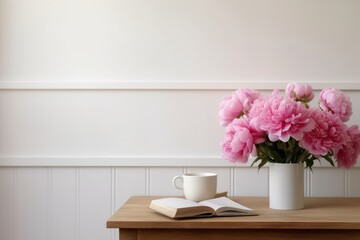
[322, 218]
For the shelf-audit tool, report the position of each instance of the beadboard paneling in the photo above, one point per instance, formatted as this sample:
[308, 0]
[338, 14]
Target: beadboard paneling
[251, 182]
[95, 200]
[328, 182]
[7, 211]
[353, 185]
[32, 203]
[64, 203]
[51, 203]
[129, 181]
[160, 181]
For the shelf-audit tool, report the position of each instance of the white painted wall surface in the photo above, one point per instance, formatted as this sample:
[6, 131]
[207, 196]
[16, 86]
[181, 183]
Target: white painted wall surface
[201, 40]
[95, 95]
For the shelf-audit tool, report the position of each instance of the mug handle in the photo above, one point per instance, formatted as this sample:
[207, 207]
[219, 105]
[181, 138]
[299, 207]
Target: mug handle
[176, 180]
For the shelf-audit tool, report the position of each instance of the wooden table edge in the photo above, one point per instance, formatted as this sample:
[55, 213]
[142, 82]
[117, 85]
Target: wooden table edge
[182, 224]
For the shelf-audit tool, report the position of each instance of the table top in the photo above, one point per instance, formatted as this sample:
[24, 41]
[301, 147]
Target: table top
[319, 213]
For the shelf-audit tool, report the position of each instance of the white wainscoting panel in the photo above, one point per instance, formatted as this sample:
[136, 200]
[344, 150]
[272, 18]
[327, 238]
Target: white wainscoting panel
[32, 203]
[64, 203]
[7, 203]
[53, 203]
[129, 181]
[354, 182]
[109, 123]
[75, 125]
[251, 181]
[160, 180]
[328, 182]
[95, 202]
[70, 158]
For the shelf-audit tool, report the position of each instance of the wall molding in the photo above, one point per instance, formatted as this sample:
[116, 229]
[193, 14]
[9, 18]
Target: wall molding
[118, 161]
[167, 85]
[127, 161]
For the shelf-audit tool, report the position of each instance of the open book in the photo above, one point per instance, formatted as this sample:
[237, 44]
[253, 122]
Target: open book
[182, 208]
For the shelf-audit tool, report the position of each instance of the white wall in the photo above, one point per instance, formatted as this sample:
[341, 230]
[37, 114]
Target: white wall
[173, 40]
[95, 95]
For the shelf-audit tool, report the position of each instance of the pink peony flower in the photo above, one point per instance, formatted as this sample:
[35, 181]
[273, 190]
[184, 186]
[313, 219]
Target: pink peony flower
[258, 108]
[336, 102]
[283, 118]
[300, 92]
[329, 132]
[275, 127]
[236, 105]
[348, 153]
[240, 140]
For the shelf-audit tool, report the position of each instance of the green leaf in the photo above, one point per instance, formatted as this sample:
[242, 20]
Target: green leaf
[255, 160]
[277, 157]
[329, 159]
[263, 162]
[309, 163]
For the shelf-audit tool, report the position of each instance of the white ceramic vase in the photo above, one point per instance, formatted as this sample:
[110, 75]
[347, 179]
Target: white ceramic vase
[286, 186]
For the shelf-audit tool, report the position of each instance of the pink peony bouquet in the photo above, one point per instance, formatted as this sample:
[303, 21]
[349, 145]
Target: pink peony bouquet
[286, 129]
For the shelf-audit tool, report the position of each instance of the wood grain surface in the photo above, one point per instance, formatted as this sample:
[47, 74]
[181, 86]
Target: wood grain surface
[319, 213]
[322, 218]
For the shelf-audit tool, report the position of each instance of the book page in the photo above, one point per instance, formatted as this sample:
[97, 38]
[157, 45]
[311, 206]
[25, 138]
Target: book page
[176, 203]
[224, 202]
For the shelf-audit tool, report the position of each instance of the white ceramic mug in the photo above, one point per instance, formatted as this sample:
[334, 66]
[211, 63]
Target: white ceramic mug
[197, 186]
